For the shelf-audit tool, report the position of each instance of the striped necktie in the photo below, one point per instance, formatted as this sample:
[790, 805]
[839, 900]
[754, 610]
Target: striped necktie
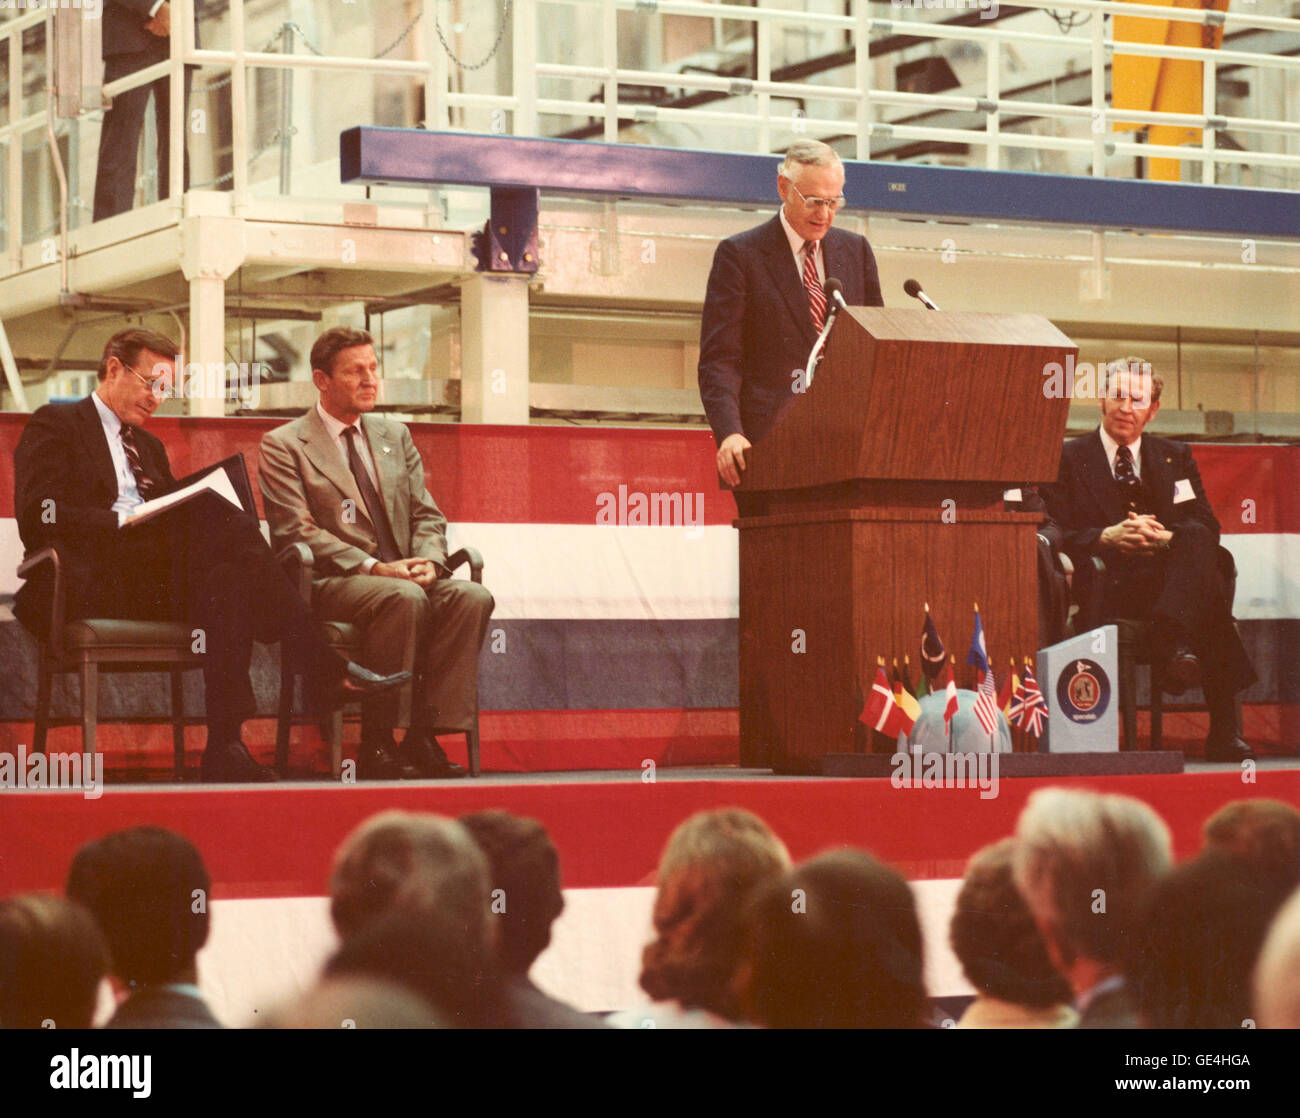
[816, 296]
[144, 484]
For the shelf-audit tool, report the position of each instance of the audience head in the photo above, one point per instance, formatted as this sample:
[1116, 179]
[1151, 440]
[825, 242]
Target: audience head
[1191, 961]
[1266, 833]
[52, 958]
[355, 1003]
[711, 864]
[149, 890]
[994, 936]
[1085, 864]
[409, 899]
[1277, 975]
[834, 943]
[403, 862]
[524, 865]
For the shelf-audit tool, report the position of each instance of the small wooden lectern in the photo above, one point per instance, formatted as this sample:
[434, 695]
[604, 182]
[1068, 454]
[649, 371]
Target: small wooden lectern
[881, 489]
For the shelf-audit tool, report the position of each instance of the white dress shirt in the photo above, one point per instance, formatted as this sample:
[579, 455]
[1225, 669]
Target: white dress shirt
[796, 248]
[128, 494]
[1112, 448]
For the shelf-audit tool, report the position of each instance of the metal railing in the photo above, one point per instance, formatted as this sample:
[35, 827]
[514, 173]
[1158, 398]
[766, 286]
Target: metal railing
[858, 112]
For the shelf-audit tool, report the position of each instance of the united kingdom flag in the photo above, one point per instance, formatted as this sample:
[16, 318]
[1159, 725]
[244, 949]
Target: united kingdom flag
[1035, 713]
[1019, 708]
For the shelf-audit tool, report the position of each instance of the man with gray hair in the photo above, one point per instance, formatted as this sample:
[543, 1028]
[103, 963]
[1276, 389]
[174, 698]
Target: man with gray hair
[409, 897]
[1085, 863]
[766, 304]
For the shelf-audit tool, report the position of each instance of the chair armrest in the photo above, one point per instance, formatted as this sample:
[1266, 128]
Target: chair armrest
[58, 605]
[297, 561]
[467, 555]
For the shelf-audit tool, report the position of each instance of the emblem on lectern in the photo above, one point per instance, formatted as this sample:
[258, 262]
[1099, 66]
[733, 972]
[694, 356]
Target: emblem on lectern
[1082, 691]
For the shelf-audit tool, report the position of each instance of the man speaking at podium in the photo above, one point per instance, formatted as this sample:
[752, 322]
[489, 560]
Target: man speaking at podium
[765, 303]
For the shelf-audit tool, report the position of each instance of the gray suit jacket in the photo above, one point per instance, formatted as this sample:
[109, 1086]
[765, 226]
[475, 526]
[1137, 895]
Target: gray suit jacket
[310, 496]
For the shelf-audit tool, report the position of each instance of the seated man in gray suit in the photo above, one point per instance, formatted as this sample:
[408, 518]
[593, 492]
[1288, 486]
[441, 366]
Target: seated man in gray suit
[351, 487]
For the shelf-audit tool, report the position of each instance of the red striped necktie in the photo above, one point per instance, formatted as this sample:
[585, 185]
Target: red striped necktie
[143, 482]
[816, 296]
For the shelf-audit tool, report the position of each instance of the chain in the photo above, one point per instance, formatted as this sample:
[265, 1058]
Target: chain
[501, 34]
[276, 136]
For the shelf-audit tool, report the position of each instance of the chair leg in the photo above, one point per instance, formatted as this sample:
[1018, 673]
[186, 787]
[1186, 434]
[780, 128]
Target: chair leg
[284, 717]
[336, 743]
[44, 675]
[1128, 694]
[89, 705]
[178, 722]
[471, 747]
[1157, 711]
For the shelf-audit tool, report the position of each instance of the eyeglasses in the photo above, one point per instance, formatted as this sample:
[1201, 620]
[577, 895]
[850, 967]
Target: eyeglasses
[154, 384]
[832, 204]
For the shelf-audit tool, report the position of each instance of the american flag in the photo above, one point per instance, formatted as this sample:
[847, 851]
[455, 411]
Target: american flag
[1035, 716]
[986, 705]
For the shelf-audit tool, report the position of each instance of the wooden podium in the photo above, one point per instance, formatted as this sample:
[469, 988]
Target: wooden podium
[881, 489]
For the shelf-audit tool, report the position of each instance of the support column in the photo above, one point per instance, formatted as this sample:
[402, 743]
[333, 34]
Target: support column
[212, 247]
[494, 349]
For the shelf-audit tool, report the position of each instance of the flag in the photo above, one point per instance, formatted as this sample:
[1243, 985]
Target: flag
[880, 703]
[979, 653]
[1035, 705]
[950, 707]
[908, 707]
[1016, 715]
[1007, 696]
[932, 653]
[986, 705]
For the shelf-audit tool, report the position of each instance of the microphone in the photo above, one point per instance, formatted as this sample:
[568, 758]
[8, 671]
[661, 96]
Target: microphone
[835, 293]
[912, 288]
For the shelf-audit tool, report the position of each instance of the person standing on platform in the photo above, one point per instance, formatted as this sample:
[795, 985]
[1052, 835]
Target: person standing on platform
[765, 303]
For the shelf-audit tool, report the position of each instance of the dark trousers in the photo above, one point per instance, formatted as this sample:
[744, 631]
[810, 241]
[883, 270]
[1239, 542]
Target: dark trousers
[207, 565]
[119, 138]
[1184, 591]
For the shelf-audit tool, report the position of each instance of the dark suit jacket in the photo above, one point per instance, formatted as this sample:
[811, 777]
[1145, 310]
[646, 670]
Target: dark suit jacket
[1085, 499]
[163, 1009]
[63, 458]
[757, 328]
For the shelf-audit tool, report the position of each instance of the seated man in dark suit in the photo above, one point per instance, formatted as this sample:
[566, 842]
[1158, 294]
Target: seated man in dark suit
[149, 890]
[1136, 501]
[80, 469]
[765, 303]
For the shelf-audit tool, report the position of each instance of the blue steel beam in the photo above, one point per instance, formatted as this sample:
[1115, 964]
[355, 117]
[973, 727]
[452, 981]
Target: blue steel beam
[396, 156]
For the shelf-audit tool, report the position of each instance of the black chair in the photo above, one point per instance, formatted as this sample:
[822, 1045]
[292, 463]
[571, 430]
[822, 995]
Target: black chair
[1135, 646]
[346, 638]
[89, 646]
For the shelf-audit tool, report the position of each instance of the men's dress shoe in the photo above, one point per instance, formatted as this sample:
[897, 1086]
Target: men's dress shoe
[380, 762]
[362, 683]
[1232, 751]
[1182, 672]
[231, 764]
[421, 750]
